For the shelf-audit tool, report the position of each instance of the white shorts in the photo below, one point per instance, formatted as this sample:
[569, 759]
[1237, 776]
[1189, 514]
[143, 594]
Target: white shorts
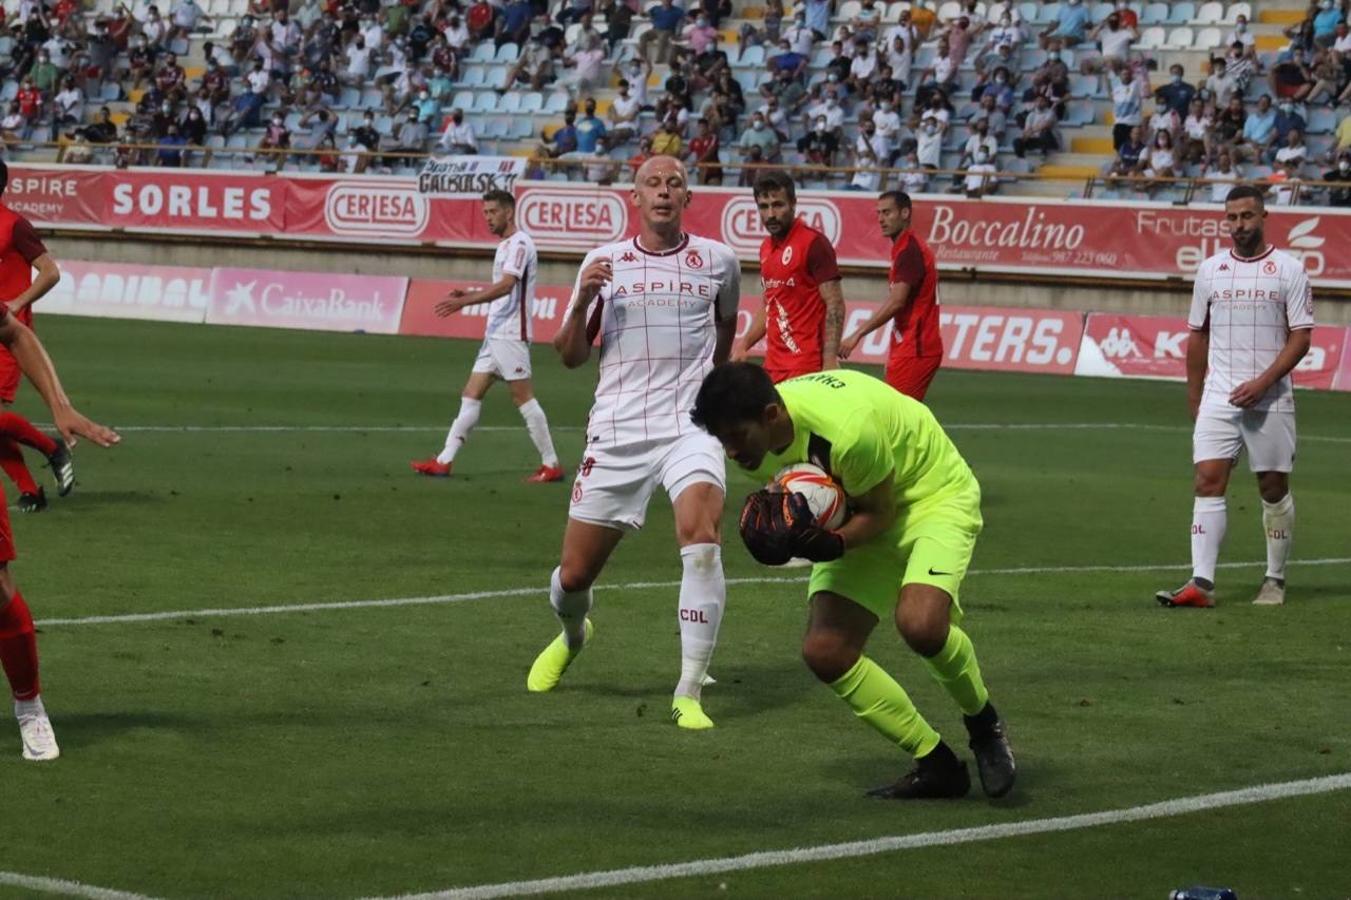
[614, 484]
[1269, 437]
[509, 360]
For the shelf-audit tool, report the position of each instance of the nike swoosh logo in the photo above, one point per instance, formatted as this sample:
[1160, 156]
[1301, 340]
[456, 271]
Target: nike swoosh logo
[932, 572]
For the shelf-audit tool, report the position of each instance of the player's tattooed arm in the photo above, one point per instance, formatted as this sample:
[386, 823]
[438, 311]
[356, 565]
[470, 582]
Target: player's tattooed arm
[833, 294]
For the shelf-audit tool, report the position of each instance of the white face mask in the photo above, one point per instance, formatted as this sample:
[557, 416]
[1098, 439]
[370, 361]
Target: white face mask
[758, 125]
[1241, 27]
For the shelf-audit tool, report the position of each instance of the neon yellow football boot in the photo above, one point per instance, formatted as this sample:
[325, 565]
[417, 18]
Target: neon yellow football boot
[553, 661]
[689, 713]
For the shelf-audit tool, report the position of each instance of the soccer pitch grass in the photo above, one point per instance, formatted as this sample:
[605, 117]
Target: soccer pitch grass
[368, 751]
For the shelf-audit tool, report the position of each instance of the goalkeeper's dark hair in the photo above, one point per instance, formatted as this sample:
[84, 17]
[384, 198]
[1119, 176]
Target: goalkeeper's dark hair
[731, 394]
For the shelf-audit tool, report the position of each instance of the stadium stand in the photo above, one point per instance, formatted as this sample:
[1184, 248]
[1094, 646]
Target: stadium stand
[371, 85]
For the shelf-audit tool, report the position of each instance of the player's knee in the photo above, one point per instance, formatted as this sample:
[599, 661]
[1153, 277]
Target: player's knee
[1210, 483]
[573, 577]
[699, 532]
[828, 655]
[924, 629]
[1273, 486]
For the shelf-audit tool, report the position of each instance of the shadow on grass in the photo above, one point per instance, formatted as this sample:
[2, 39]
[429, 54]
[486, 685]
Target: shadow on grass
[88, 729]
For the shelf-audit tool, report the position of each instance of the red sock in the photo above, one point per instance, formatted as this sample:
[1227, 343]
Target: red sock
[11, 460]
[25, 432]
[19, 648]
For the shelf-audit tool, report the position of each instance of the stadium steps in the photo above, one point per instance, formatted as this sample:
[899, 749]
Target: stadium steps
[1090, 145]
[1281, 17]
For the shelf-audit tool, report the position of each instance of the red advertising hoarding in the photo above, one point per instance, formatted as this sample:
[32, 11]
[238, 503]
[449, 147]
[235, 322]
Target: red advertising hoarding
[1013, 234]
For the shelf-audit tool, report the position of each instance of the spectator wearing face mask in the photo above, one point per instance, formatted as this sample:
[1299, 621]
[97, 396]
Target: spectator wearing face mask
[459, 138]
[1127, 105]
[870, 155]
[1240, 34]
[410, 142]
[1259, 131]
[1176, 94]
[1114, 39]
[1038, 129]
[703, 154]
[759, 134]
[1325, 23]
[980, 180]
[929, 143]
[819, 145]
[979, 141]
[276, 137]
[888, 122]
[1288, 119]
[939, 76]
[998, 86]
[1340, 176]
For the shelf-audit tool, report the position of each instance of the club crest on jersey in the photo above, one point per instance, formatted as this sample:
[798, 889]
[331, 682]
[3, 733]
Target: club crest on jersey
[787, 255]
[1269, 268]
[694, 260]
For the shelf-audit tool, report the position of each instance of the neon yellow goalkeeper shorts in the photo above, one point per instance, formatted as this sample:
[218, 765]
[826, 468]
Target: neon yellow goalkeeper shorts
[931, 543]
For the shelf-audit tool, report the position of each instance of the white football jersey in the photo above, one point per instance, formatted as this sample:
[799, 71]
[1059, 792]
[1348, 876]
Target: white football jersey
[657, 325]
[1249, 306]
[509, 316]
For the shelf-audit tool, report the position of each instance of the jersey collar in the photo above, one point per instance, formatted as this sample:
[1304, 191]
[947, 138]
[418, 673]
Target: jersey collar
[1248, 259]
[684, 242]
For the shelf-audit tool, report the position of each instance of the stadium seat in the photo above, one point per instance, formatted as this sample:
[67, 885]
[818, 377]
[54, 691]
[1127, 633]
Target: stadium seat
[474, 76]
[495, 128]
[110, 91]
[751, 57]
[1209, 13]
[497, 77]
[508, 53]
[1180, 38]
[521, 129]
[1032, 58]
[1154, 14]
[1080, 112]
[1028, 11]
[463, 100]
[820, 56]
[1181, 13]
[1046, 13]
[9, 91]
[892, 14]
[1208, 38]
[847, 11]
[747, 80]
[510, 103]
[1151, 38]
[556, 103]
[1235, 10]
[371, 97]
[1082, 86]
[949, 11]
[485, 102]
[1322, 120]
[483, 52]
[350, 98]
[1101, 11]
[531, 102]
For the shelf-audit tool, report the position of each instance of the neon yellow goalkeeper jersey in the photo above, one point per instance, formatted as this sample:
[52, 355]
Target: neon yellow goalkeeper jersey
[862, 430]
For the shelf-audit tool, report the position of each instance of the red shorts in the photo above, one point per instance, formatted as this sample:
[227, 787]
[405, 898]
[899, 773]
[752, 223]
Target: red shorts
[10, 376]
[798, 367]
[912, 375]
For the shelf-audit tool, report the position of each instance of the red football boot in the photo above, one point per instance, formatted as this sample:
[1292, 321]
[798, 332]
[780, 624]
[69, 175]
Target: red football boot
[1190, 594]
[546, 475]
[431, 467]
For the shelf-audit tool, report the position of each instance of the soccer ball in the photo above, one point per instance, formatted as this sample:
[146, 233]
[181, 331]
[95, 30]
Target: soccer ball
[824, 496]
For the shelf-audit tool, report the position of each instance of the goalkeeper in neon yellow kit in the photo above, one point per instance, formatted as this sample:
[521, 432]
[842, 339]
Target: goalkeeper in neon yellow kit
[901, 555]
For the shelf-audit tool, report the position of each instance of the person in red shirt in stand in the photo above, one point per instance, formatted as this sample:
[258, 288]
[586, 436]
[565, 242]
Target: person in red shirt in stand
[803, 313]
[912, 303]
[29, 99]
[21, 251]
[18, 643]
[704, 154]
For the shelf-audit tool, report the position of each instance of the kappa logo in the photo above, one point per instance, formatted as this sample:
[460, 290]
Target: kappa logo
[694, 260]
[787, 255]
[1119, 344]
[1224, 267]
[628, 257]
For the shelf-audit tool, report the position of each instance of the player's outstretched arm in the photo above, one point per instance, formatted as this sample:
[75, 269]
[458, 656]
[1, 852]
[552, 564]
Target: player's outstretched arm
[37, 365]
[897, 297]
[459, 298]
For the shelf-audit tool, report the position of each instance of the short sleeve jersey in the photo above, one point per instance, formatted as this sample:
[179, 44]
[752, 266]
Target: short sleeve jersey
[1249, 306]
[862, 431]
[657, 322]
[19, 246]
[915, 330]
[509, 316]
[791, 274]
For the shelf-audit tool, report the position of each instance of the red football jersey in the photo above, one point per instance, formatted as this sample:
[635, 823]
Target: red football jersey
[791, 274]
[915, 329]
[19, 246]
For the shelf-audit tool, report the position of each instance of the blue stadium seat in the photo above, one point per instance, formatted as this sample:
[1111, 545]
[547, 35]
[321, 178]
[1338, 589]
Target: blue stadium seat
[531, 102]
[1322, 120]
[508, 53]
[497, 77]
[485, 102]
[483, 52]
[1154, 14]
[1080, 112]
[474, 76]
[556, 103]
[1181, 13]
[510, 103]
[463, 100]
[521, 129]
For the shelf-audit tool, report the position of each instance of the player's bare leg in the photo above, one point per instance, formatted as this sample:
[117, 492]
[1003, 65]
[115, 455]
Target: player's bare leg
[703, 596]
[523, 395]
[1209, 521]
[19, 655]
[924, 619]
[837, 631]
[471, 401]
[586, 548]
[1278, 521]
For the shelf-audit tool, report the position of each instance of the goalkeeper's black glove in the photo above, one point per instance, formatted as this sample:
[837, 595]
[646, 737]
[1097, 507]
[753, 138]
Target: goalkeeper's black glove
[777, 526]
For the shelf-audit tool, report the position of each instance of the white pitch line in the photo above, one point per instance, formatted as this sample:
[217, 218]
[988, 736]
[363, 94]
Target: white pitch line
[853, 849]
[540, 590]
[64, 888]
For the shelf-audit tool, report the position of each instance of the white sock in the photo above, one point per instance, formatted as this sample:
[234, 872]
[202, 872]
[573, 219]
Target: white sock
[1279, 521]
[32, 707]
[571, 608]
[703, 594]
[538, 426]
[459, 429]
[1209, 520]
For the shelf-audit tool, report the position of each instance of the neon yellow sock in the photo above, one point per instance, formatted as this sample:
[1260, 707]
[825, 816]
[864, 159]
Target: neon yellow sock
[956, 669]
[877, 699]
